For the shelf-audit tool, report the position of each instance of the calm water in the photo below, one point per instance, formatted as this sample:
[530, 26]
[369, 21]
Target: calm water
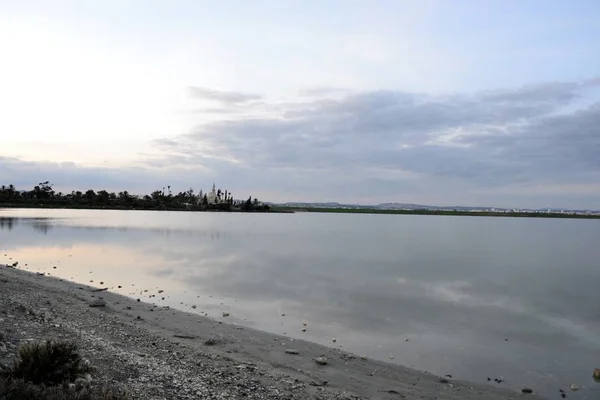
[455, 287]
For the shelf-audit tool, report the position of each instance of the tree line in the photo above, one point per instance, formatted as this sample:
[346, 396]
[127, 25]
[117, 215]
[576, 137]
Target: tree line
[44, 195]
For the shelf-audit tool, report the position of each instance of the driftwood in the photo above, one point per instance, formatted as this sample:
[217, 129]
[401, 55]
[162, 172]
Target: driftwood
[100, 290]
[184, 336]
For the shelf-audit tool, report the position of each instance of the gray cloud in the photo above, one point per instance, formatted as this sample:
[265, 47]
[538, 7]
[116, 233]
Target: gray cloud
[532, 146]
[480, 141]
[222, 96]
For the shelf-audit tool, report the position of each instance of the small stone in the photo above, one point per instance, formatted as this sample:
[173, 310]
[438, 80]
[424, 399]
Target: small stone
[303, 330]
[321, 360]
[98, 303]
[574, 387]
[194, 307]
[406, 340]
[391, 356]
[334, 340]
[527, 390]
[225, 314]
[291, 351]
[443, 380]
[81, 383]
[596, 374]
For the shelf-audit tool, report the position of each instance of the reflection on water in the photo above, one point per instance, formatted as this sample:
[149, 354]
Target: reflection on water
[474, 297]
[39, 224]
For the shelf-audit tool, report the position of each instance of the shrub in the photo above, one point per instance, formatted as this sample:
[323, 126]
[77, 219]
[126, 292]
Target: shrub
[18, 389]
[49, 362]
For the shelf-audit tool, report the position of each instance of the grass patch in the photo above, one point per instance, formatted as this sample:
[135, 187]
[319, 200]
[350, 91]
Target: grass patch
[19, 389]
[45, 371]
[49, 362]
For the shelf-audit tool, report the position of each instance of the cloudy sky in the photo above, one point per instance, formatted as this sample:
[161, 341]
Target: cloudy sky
[432, 101]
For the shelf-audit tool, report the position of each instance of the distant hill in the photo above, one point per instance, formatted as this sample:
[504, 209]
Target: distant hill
[411, 206]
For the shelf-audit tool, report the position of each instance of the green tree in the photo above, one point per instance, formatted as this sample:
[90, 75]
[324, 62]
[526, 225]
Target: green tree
[90, 196]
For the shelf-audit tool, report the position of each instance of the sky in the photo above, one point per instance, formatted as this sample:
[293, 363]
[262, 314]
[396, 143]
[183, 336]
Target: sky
[487, 103]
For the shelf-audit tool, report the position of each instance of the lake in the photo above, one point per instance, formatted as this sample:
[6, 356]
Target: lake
[474, 297]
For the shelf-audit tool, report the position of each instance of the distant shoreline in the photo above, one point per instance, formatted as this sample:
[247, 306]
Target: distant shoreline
[437, 212]
[124, 208]
[291, 210]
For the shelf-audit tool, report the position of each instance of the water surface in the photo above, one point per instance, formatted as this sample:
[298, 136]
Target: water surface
[473, 297]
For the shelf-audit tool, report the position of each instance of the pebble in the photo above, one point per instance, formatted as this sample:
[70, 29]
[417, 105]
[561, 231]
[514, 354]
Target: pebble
[225, 314]
[527, 390]
[321, 360]
[97, 303]
[574, 387]
[292, 351]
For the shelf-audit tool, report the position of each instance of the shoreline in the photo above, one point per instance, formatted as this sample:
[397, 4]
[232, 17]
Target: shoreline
[291, 210]
[148, 349]
[449, 213]
[11, 206]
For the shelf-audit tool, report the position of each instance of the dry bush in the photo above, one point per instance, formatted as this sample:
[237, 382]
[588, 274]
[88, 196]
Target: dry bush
[19, 389]
[49, 362]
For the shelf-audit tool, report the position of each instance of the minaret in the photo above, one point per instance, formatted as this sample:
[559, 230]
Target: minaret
[214, 189]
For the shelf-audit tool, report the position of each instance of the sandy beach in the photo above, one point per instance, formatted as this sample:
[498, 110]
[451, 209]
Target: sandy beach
[160, 353]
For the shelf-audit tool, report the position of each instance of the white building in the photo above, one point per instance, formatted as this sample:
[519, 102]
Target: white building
[211, 197]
